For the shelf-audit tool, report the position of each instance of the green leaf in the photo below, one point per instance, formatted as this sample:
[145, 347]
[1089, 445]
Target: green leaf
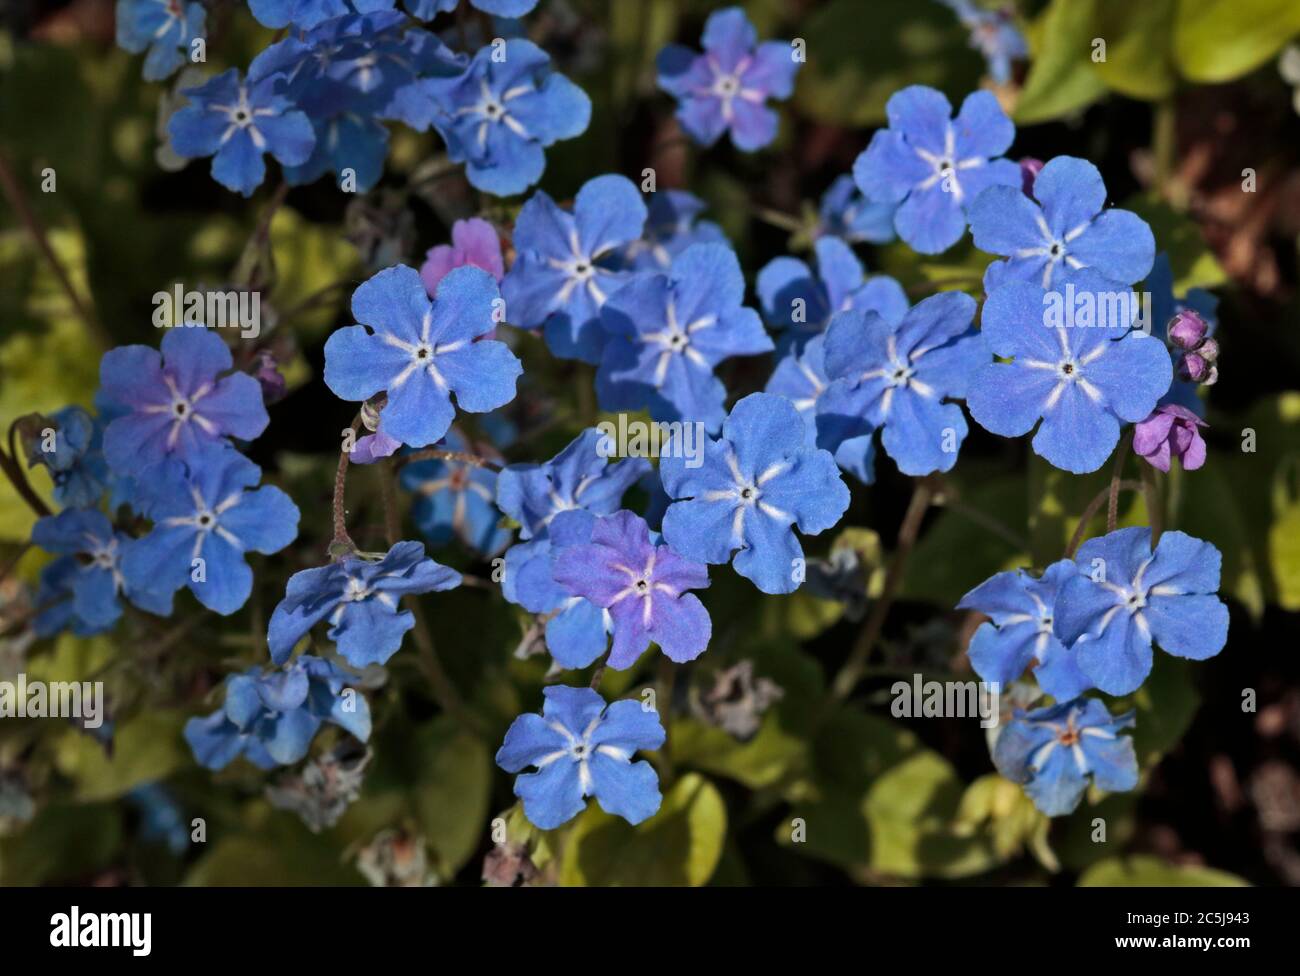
[61, 844]
[452, 780]
[1062, 78]
[1218, 40]
[771, 756]
[146, 748]
[262, 860]
[1284, 556]
[1139, 57]
[1151, 872]
[679, 845]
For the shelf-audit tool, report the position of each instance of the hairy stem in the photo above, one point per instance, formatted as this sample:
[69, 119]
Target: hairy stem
[341, 545]
[1112, 508]
[1082, 528]
[438, 454]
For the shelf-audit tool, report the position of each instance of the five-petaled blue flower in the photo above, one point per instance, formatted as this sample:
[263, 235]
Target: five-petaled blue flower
[1053, 751]
[271, 716]
[668, 332]
[934, 166]
[177, 404]
[501, 114]
[94, 572]
[1023, 633]
[895, 376]
[845, 213]
[421, 352]
[456, 498]
[801, 378]
[75, 459]
[237, 123]
[359, 598]
[801, 304]
[670, 228]
[1064, 234]
[1125, 596]
[205, 522]
[166, 27]
[1083, 380]
[755, 485]
[642, 585]
[582, 747]
[564, 267]
[726, 87]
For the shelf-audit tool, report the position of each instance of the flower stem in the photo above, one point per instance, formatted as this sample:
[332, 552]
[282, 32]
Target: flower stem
[1155, 503]
[438, 454]
[1112, 508]
[1082, 528]
[13, 470]
[341, 545]
[851, 672]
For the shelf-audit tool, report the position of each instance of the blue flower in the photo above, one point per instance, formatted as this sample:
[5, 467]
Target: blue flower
[359, 598]
[935, 166]
[1126, 596]
[205, 522]
[497, 8]
[95, 574]
[564, 267]
[305, 14]
[177, 404]
[670, 228]
[895, 376]
[755, 485]
[1164, 307]
[726, 87]
[801, 378]
[1065, 233]
[1023, 632]
[501, 114]
[166, 27]
[668, 332]
[421, 352]
[161, 819]
[76, 462]
[994, 34]
[1053, 752]
[846, 213]
[56, 602]
[642, 586]
[236, 124]
[271, 717]
[582, 747]
[801, 303]
[1082, 380]
[456, 498]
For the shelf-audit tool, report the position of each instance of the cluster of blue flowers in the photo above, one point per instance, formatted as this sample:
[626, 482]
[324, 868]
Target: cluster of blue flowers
[654, 298]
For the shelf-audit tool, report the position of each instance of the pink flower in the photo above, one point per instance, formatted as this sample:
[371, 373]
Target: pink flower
[1171, 432]
[473, 242]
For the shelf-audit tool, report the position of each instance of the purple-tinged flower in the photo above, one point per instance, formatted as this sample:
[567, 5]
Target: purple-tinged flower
[237, 123]
[896, 376]
[473, 242]
[1054, 752]
[359, 597]
[177, 404]
[642, 585]
[801, 304]
[1170, 432]
[1126, 596]
[934, 166]
[500, 115]
[725, 88]
[994, 34]
[421, 352]
[670, 228]
[1166, 309]
[845, 213]
[97, 572]
[1022, 634]
[1082, 381]
[166, 27]
[1029, 170]
[269, 377]
[455, 498]
[1062, 233]
[1195, 368]
[271, 717]
[1187, 329]
[565, 268]
[755, 484]
[206, 520]
[668, 333]
[582, 747]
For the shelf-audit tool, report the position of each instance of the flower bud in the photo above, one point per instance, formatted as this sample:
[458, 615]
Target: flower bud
[1029, 169]
[1187, 329]
[1208, 350]
[1193, 368]
[269, 376]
